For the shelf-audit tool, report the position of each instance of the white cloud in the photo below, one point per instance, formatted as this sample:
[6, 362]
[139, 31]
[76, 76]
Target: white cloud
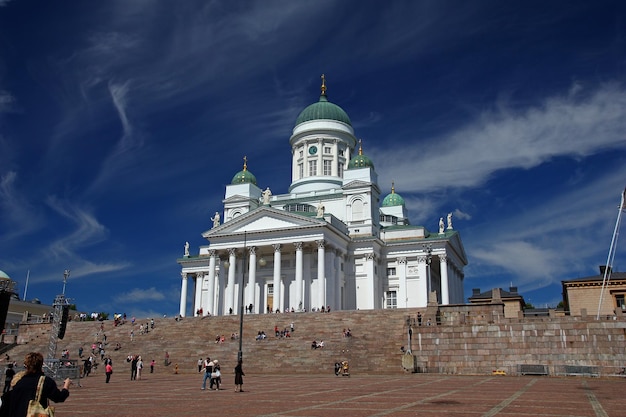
[18, 216]
[7, 101]
[138, 294]
[572, 125]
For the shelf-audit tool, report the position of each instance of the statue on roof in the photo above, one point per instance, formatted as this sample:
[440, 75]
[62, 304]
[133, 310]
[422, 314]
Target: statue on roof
[187, 249]
[266, 196]
[441, 226]
[216, 219]
[450, 221]
[320, 210]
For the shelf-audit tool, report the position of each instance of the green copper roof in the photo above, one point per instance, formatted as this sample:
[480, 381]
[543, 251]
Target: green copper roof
[393, 199]
[360, 161]
[244, 176]
[4, 275]
[323, 109]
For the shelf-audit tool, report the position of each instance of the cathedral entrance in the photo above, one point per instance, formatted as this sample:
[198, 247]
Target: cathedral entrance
[269, 298]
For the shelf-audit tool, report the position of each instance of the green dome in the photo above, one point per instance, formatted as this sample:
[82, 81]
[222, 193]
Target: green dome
[360, 161]
[3, 275]
[393, 199]
[323, 109]
[244, 176]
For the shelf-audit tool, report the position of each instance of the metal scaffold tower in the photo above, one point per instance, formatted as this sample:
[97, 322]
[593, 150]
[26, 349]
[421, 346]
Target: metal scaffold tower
[60, 301]
[609, 261]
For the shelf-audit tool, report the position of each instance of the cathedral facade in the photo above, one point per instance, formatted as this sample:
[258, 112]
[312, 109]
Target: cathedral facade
[327, 243]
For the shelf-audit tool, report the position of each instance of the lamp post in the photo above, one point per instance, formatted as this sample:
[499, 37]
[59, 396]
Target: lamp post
[243, 282]
[66, 275]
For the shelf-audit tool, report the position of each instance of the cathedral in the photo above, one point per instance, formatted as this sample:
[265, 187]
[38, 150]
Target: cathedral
[328, 243]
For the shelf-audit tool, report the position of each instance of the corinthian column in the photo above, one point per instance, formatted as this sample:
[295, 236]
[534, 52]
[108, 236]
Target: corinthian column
[445, 293]
[210, 302]
[298, 246]
[252, 276]
[230, 287]
[183, 294]
[277, 266]
[321, 280]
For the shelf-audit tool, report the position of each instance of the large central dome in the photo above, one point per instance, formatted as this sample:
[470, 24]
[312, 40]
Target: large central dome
[323, 109]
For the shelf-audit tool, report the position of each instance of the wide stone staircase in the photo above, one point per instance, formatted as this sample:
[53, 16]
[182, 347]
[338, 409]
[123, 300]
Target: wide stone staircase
[461, 340]
[374, 346]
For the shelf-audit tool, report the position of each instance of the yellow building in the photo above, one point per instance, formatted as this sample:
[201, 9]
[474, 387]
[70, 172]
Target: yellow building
[582, 295]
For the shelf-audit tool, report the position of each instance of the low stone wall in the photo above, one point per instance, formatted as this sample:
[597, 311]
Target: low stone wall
[482, 341]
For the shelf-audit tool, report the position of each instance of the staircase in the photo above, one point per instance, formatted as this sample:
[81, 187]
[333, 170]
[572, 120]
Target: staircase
[374, 346]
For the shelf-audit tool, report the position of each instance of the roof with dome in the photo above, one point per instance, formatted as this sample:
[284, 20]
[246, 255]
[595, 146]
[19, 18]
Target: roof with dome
[244, 176]
[323, 110]
[393, 199]
[3, 275]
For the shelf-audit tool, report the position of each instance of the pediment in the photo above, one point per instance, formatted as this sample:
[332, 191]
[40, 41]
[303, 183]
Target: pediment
[264, 219]
[356, 184]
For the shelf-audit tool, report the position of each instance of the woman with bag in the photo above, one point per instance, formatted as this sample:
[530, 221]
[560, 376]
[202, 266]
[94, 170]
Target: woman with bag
[34, 384]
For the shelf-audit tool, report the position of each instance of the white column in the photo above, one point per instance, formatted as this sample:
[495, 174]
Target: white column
[403, 296]
[210, 301]
[338, 281]
[198, 292]
[422, 272]
[230, 287]
[321, 280]
[298, 301]
[443, 266]
[183, 294]
[277, 266]
[372, 299]
[251, 278]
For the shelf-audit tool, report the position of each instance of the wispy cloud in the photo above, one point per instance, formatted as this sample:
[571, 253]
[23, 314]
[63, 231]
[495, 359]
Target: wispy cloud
[574, 125]
[140, 295]
[19, 217]
[87, 230]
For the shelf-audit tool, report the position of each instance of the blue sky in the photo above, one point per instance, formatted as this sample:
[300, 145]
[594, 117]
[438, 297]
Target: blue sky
[122, 121]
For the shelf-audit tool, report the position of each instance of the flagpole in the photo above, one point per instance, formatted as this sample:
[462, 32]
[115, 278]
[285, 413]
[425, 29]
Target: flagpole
[609, 260]
[26, 286]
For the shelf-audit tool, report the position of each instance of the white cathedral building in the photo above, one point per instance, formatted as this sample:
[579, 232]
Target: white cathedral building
[326, 243]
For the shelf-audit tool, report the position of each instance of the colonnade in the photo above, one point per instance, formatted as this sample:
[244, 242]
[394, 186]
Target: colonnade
[218, 288]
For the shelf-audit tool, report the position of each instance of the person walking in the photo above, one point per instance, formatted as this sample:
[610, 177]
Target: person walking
[108, 369]
[139, 367]
[208, 369]
[24, 390]
[239, 376]
[152, 363]
[8, 377]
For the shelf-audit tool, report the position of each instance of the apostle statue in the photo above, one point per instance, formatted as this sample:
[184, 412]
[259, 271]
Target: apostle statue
[441, 226]
[320, 210]
[187, 249]
[266, 196]
[449, 221]
[216, 219]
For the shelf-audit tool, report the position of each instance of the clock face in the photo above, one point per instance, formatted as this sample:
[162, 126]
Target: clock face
[312, 150]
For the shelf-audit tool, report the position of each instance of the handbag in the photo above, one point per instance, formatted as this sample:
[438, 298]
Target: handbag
[216, 374]
[34, 406]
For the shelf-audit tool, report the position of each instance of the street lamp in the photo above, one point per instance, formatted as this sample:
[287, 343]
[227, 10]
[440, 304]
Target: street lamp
[66, 275]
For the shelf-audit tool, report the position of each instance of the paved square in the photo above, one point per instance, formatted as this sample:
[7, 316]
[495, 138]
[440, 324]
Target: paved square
[355, 396]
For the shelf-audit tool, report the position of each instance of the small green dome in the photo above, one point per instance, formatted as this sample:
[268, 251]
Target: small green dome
[393, 199]
[3, 275]
[360, 161]
[244, 176]
[323, 110]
